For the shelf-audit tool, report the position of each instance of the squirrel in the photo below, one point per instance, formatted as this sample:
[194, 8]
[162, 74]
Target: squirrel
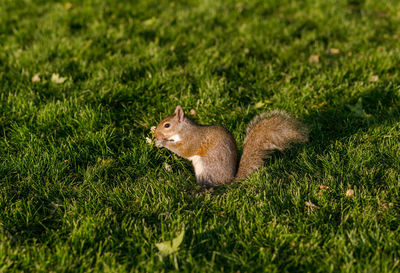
[212, 149]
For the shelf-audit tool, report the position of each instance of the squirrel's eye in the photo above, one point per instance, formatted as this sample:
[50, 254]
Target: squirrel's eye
[166, 125]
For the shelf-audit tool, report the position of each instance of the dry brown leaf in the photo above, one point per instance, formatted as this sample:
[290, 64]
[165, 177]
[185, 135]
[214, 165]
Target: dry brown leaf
[36, 77]
[192, 112]
[382, 14]
[334, 51]
[374, 78]
[311, 205]
[68, 5]
[314, 59]
[383, 204]
[319, 104]
[349, 193]
[323, 187]
[57, 79]
[167, 167]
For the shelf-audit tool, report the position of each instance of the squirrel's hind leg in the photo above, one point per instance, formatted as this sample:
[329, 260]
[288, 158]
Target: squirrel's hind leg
[217, 169]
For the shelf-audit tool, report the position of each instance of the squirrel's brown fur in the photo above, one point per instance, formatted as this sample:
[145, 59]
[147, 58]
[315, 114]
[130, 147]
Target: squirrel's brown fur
[212, 149]
[268, 132]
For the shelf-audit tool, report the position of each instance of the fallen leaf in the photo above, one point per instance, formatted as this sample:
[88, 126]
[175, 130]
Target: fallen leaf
[68, 5]
[150, 21]
[152, 129]
[314, 59]
[192, 112]
[105, 162]
[382, 14]
[240, 5]
[382, 204]
[374, 78]
[311, 205]
[167, 167]
[334, 51]
[358, 110]
[57, 79]
[169, 247]
[259, 104]
[321, 104]
[36, 77]
[349, 193]
[286, 76]
[323, 187]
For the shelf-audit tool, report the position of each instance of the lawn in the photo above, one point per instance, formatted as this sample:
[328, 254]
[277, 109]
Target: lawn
[82, 82]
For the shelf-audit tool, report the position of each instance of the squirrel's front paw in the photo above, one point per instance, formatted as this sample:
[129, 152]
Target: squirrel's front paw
[158, 143]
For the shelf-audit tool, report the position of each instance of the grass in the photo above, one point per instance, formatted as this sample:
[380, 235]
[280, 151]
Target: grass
[82, 191]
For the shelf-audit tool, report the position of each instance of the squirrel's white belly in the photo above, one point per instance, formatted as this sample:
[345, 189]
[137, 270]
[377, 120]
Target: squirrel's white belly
[197, 164]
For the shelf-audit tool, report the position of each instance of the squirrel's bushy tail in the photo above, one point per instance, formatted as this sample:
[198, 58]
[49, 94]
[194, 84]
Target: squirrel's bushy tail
[266, 133]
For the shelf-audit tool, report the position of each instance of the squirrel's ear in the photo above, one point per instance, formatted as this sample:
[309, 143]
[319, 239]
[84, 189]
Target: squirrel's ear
[179, 113]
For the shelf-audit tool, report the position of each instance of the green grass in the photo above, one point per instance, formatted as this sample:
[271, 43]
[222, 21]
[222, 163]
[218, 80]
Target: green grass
[82, 191]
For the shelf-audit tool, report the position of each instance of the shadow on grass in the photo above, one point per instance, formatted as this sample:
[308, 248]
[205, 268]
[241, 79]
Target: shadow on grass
[372, 108]
[340, 120]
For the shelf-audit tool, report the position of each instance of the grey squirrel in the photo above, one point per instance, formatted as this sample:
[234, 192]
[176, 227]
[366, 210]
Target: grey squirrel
[212, 149]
